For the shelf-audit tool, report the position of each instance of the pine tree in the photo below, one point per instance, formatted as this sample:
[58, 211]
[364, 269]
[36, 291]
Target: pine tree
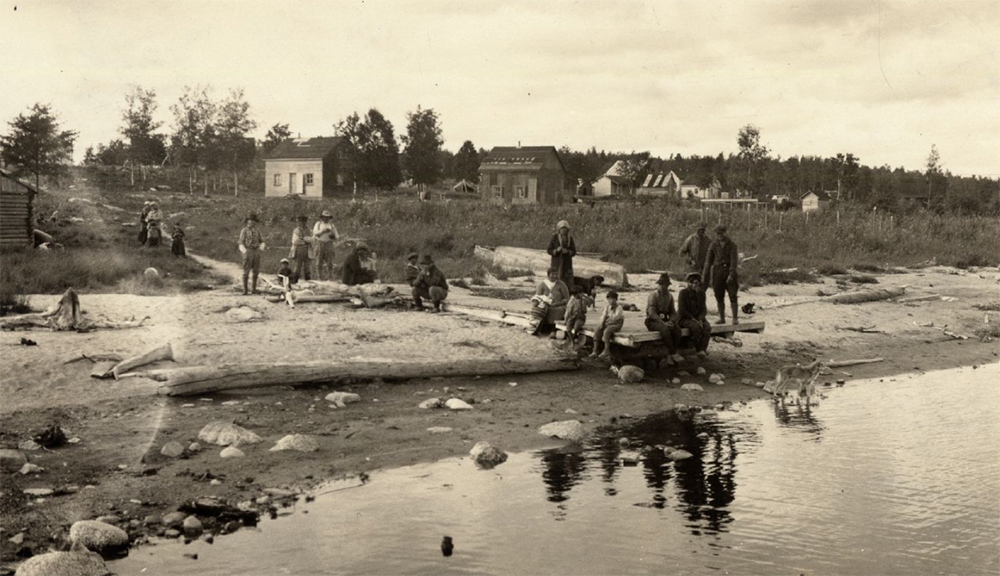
[37, 145]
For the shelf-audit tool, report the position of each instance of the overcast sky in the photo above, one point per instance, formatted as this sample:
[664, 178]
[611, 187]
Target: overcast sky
[883, 80]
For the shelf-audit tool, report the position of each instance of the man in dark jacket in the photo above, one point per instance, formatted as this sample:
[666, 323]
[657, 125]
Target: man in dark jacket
[357, 267]
[695, 249]
[430, 283]
[691, 312]
[720, 272]
[660, 318]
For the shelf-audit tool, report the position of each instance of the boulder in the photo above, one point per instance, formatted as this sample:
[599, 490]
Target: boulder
[64, 564]
[456, 404]
[194, 448]
[174, 519]
[675, 381]
[12, 460]
[630, 374]
[29, 445]
[342, 399]
[297, 442]
[222, 433]
[571, 430]
[97, 536]
[172, 449]
[692, 387]
[678, 454]
[30, 468]
[192, 526]
[487, 455]
[231, 452]
[243, 314]
[701, 371]
[431, 403]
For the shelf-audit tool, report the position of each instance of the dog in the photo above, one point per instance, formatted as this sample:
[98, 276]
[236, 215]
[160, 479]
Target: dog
[748, 308]
[589, 287]
[802, 376]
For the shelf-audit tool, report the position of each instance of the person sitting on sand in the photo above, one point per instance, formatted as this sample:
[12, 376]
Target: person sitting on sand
[611, 322]
[412, 270]
[358, 267]
[691, 313]
[660, 318]
[303, 250]
[177, 242]
[555, 295]
[431, 283]
[576, 312]
[285, 273]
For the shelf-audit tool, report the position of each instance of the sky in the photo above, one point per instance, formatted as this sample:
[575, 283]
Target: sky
[883, 80]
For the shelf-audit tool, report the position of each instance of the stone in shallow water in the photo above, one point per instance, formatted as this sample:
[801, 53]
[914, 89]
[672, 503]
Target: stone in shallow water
[487, 455]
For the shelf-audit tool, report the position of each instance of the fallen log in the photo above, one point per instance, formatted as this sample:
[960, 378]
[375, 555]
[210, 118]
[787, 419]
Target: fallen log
[164, 352]
[94, 358]
[206, 379]
[842, 363]
[301, 298]
[538, 261]
[919, 298]
[865, 296]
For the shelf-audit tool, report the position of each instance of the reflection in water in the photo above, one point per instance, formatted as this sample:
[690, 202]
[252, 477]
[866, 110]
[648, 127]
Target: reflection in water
[798, 415]
[562, 470]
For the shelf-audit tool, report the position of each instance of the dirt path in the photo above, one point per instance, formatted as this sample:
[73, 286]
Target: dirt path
[122, 424]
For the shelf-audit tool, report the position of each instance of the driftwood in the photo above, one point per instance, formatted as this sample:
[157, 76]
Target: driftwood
[66, 315]
[856, 297]
[94, 358]
[538, 261]
[841, 363]
[164, 352]
[299, 298]
[919, 298]
[206, 379]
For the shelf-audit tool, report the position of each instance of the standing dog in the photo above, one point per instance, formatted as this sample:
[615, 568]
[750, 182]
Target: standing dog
[589, 286]
[802, 376]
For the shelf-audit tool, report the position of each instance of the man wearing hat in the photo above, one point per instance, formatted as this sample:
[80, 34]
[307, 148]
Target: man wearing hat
[430, 283]
[720, 272]
[562, 248]
[251, 245]
[325, 233]
[691, 312]
[695, 249]
[303, 249]
[412, 269]
[660, 313]
[357, 267]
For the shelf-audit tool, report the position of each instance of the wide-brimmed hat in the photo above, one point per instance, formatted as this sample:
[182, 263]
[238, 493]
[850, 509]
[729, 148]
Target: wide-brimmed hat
[664, 279]
[692, 276]
[252, 218]
[285, 261]
[303, 218]
[147, 202]
[720, 228]
[325, 214]
[562, 224]
[702, 226]
[412, 256]
[427, 259]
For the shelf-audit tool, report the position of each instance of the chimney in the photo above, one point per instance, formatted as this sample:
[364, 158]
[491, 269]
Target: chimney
[519, 144]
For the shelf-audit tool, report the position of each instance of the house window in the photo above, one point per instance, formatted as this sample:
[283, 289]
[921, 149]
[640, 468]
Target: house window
[277, 179]
[498, 191]
[309, 179]
[522, 192]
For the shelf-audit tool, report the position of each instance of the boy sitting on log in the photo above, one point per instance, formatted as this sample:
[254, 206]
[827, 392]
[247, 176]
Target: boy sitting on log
[611, 322]
[576, 312]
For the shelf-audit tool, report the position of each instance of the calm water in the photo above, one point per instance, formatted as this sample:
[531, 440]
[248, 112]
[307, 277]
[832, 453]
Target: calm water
[894, 477]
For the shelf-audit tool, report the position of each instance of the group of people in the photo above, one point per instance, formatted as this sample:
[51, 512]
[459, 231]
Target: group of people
[562, 296]
[151, 230]
[316, 245]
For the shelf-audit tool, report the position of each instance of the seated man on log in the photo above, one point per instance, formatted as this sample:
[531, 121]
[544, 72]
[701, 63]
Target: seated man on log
[358, 267]
[691, 313]
[660, 314]
[430, 283]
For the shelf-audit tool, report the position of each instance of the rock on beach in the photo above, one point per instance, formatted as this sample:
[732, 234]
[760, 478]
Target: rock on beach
[222, 433]
[571, 430]
[97, 536]
[64, 564]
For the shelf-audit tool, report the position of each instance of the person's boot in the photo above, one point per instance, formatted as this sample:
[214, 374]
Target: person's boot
[245, 285]
[736, 318]
[255, 285]
[722, 311]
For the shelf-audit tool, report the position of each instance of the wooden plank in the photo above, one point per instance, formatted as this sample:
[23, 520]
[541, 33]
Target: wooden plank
[514, 318]
[636, 338]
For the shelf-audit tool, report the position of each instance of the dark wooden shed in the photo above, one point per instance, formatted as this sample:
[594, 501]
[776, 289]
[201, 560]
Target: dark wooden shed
[16, 223]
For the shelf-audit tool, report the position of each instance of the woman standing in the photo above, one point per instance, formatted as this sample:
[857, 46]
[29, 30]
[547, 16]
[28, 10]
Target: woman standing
[142, 222]
[154, 232]
[562, 248]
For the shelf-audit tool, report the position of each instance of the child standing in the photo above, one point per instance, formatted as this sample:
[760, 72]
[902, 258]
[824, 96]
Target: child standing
[412, 270]
[177, 242]
[576, 312]
[611, 322]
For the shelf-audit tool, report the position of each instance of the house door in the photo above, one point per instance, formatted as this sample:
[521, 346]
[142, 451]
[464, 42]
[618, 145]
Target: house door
[292, 188]
[533, 189]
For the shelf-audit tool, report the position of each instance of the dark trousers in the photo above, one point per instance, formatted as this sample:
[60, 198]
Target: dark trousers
[700, 332]
[604, 334]
[436, 294]
[669, 332]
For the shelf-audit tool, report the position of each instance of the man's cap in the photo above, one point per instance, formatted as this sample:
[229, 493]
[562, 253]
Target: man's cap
[427, 259]
[252, 218]
[303, 218]
[692, 276]
[702, 226]
[412, 256]
[285, 261]
[664, 279]
[720, 228]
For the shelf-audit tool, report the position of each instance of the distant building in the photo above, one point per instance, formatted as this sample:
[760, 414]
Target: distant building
[665, 184]
[612, 183]
[16, 219]
[307, 167]
[522, 175]
[815, 201]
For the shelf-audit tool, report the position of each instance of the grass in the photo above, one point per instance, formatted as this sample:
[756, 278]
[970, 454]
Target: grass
[988, 307]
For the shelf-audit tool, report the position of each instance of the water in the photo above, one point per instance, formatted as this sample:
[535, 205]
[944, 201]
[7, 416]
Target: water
[893, 477]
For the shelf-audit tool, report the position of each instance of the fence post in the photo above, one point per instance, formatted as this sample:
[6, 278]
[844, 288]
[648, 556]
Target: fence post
[781, 216]
[838, 218]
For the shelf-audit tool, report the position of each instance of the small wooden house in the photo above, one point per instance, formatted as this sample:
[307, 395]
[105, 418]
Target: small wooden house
[522, 175]
[666, 184]
[612, 182]
[815, 201]
[16, 218]
[307, 168]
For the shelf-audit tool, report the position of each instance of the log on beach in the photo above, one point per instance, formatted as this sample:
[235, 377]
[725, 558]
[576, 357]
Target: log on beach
[205, 379]
[538, 261]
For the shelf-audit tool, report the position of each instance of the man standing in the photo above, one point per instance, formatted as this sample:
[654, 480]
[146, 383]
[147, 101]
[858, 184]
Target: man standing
[325, 233]
[691, 313]
[302, 250]
[720, 271]
[695, 249]
[660, 318]
[431, 284]
[251, 245]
